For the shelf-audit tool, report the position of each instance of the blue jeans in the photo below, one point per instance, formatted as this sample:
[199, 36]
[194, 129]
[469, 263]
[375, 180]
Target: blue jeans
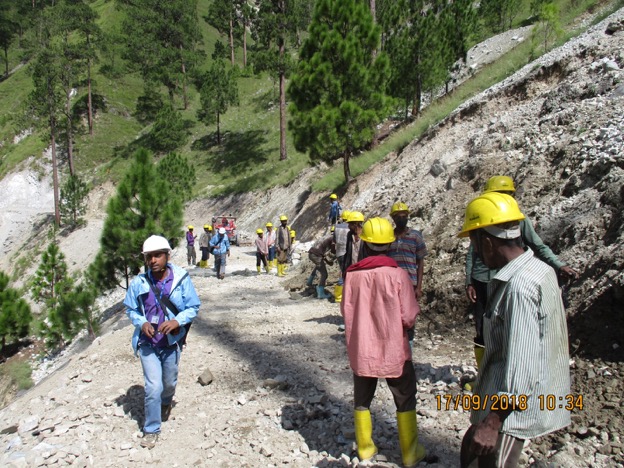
[271, 253]
[220, 262]
[160, 370]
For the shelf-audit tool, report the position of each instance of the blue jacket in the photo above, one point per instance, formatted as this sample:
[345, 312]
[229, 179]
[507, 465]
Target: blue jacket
[222, 247]
[182, 295]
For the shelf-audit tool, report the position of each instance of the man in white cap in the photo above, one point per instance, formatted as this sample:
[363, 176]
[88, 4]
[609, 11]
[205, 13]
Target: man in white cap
[220, 247]
[161, 304]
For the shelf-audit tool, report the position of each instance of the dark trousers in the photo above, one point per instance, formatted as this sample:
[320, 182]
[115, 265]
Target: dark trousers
[205, 253]
[403, 389]
[478, 310]
[260, 258]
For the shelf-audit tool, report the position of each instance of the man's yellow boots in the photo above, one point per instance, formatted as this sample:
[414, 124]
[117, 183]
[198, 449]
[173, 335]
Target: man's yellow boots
[411, 451]
[364, 434]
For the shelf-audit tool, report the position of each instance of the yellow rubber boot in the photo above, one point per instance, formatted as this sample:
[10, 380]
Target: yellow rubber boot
[258, 269]
[411, 451]
[479, 352]
[337, 293]
[280, 269]
[364, 434]
[267, 268]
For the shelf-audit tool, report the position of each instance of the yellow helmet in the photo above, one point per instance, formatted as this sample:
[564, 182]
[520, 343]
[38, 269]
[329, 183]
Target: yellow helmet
[399, 206]
[190, 228]
[209, 227]
[345, 215]
[378, 231]
[499, 183]
[355, 216]
[489, 209]
[269, 224]
[333, 196]
[292, 233]
[259, 231]
[333, 228]
[206, 226]
[283, 218]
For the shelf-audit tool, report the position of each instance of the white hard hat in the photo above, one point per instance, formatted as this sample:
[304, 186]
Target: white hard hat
[222, 230]
[155, 244]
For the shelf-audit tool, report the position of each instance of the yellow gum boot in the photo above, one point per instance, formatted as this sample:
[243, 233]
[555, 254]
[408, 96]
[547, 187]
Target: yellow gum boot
[411, 451]
[337, 293]
[364, 434]
[479, 352]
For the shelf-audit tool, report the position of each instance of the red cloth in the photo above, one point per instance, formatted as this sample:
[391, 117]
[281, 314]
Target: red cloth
[373, 262]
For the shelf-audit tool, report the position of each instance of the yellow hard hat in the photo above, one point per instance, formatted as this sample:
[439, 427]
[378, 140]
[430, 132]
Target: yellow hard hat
[259, 231]
[206, 226]
[209, 227]
[489, 209]
[333, 196]
[378, 231]
[269, 224]
[345, 215]
[333, 228]
[499, 183]
[293, 232]
[399, 206]
[355, 216]
[190, 228]
[283, 218]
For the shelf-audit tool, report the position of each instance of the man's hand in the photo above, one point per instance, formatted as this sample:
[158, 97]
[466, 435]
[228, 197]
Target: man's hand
[170, 326]
[228, 252]
[148, 330]
[471, 293]
[417, 292]
[569, 273]
[486, 435]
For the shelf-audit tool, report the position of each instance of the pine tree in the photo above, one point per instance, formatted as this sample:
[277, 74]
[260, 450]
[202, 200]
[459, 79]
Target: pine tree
[169, 131]
[178, 174]
[50, 284]
[219, 91]
[73, 199]
[15, 314]
[338, 90]
[162, 41]
[142, 206]
[275, 25]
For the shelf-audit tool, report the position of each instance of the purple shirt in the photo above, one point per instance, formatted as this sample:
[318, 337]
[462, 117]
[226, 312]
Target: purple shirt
[190, 238]
[153, 311]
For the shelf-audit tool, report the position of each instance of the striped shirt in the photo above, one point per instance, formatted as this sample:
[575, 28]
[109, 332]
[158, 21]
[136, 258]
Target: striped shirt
[526, 348]
[407, 250]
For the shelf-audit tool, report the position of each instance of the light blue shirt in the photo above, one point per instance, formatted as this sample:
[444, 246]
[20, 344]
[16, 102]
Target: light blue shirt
[223, 246]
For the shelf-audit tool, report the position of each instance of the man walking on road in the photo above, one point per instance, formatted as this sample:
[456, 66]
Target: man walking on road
[159, 303]
[526, 360]
[220, 245]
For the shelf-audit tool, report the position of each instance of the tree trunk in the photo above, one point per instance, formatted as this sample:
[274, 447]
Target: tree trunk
[282, 97]
[57, 213]
[244, 46]
[231, 41]
[184, 96]
[347, 169]
[89, 96]
[218, 128]
[70, 133]
[417, 98]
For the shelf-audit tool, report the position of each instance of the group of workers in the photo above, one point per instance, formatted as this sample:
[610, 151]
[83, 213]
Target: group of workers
[274, 248]
[217, 244]
[521, 344]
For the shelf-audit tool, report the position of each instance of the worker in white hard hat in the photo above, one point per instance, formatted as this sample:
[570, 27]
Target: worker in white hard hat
[161, 304]
[220, 247]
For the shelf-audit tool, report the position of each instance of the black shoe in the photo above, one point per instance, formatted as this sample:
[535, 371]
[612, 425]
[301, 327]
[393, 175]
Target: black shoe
[165, 411]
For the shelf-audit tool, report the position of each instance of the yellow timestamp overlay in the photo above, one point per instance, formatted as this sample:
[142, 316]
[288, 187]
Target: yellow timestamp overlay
[449, 402]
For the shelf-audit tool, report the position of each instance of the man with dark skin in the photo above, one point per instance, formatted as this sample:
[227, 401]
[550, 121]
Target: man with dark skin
[526, 341]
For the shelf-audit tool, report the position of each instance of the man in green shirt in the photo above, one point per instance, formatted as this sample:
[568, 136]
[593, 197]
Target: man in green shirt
[478, 275]
[526, 359]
